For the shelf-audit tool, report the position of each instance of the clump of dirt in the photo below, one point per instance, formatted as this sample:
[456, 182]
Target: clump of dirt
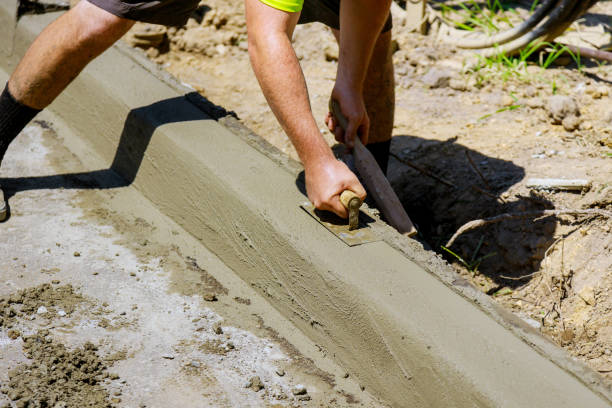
[57, 377]
[216, 346]
[46, 300]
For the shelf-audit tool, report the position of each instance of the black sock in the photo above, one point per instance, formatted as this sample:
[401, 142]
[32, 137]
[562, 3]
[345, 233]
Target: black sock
[380, 151]
[14, 116]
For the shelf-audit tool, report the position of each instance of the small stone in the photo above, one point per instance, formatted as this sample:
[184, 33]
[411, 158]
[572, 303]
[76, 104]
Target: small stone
[303, 397]
[61, 313]
[168, 356]
[132, 273]
[217, 328]
[210, 297]
[530, 91]
[280, 372]
[152, 52]
[299, 389]
[346, 375]
[535, 103]
[507, 100]
[458, 84]
[437, 78]
[55, 282]
[195, 364]
[13, 334]
[77, 253]
[255, 384]
[41, 310]
[560, 107]
[571, 123]
[113, 376]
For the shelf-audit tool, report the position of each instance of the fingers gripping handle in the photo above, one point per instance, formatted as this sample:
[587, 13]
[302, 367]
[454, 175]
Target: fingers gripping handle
[351, 202]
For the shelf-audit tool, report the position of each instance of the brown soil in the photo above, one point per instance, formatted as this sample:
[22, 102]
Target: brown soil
[45, 300]
[55, 376]
[476, 136]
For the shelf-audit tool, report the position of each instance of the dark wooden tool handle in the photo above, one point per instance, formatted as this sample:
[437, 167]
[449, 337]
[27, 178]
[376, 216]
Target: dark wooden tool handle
[375, 181]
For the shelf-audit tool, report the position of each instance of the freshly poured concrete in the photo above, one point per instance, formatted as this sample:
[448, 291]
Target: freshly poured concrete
[390, 323]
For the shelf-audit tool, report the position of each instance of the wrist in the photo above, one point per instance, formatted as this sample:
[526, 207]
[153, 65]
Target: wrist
[348, 82]
[317, 160]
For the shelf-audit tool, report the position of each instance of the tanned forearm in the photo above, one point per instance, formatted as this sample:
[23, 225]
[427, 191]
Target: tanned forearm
[282, 81]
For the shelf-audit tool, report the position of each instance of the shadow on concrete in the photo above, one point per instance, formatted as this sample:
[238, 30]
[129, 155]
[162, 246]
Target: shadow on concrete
[440, 206]
[138, 129]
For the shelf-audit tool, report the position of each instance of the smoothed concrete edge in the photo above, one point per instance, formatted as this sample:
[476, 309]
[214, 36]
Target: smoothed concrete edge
[372, 315]
[414, 250]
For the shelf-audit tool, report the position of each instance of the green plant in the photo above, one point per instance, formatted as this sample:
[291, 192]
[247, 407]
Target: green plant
[504, 109]
[474, 263]
[471, 16]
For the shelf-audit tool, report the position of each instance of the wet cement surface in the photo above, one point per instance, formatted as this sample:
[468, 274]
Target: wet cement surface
[97, 275]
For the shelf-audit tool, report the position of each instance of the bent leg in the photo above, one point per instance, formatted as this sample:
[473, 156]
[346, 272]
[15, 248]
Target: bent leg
[61, 52]
[53, 60]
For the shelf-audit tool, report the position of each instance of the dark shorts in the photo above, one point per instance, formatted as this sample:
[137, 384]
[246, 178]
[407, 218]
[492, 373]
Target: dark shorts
[328, 13]
[165, 12]
[176, 12]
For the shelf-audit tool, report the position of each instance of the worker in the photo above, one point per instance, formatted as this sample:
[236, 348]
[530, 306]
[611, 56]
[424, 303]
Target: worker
[364, 90]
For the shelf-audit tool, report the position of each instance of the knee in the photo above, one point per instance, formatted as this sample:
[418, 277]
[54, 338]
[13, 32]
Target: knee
[96, 27]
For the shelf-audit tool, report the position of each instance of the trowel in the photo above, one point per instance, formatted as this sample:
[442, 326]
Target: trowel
[356, 230]
[375, 181]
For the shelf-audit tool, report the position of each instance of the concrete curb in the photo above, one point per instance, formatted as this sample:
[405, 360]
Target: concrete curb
[384, 310]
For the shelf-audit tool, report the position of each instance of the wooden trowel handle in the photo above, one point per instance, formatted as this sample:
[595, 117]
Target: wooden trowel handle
[351, 202]
[375, 181]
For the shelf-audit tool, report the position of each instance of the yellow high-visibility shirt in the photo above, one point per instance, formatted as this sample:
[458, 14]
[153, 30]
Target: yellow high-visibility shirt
[291, 6]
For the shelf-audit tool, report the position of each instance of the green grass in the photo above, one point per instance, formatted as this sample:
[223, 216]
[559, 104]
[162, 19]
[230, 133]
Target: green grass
[470, 16]
[474, 263]
[501, 66]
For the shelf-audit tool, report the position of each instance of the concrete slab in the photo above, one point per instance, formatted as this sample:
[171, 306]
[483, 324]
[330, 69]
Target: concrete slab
[390, 322]
[140, 286]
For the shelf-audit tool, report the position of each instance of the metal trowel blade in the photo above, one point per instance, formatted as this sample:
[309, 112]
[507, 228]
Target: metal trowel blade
[339, 227]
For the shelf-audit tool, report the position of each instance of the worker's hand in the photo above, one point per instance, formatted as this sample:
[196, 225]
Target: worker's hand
[326, 180]
[353, 107]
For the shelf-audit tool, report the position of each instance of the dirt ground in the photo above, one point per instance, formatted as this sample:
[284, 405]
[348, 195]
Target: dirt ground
[104, 302]
[465, 143]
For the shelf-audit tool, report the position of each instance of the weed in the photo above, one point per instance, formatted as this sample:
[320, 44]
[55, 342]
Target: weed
[503, 292]
[471, 16]
[474, 263]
